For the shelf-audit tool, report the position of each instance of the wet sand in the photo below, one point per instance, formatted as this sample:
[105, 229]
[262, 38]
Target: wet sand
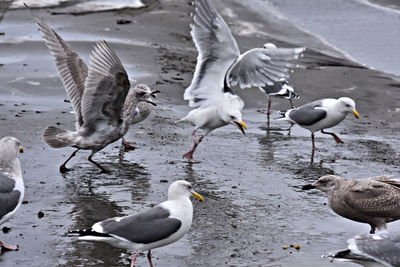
[253, 205]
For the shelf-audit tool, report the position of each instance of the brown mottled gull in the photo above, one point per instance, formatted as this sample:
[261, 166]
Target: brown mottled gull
[374, 200]
[97, 93]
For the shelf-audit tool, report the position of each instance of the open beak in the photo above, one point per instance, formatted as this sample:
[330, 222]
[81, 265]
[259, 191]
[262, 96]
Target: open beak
[151, 102]
[153, 94]
[308, 187]
[197, 196]
[21, 149]
[241, 126]
[355, 113]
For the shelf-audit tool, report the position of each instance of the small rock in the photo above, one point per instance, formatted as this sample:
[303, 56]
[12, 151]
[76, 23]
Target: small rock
[40, 214]
[6, 229]
[123, 21]
[163, 181]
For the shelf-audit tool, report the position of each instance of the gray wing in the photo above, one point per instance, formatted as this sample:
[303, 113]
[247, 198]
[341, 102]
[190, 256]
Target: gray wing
[217, 51]
[383, 247]
[272, 89]
[308, 114]
[146, 227]
[71, 68]
[106, 88]
[261, 66]
[373, 198]
[8, 196]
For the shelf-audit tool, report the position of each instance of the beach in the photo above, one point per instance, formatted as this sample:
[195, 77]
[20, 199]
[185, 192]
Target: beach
[251, 184]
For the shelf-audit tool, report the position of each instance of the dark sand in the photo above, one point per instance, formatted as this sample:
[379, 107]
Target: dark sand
[253, 205]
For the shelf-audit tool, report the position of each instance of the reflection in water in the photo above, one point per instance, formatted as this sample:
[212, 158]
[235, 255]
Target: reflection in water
[309, 172]
[96, 197]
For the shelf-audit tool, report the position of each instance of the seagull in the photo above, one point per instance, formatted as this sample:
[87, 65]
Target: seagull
[321, 114]
[221, 66]
[382, 247]
[159, 226]
[97, 94]
[142, 111]
[374, 200]
[11, 184]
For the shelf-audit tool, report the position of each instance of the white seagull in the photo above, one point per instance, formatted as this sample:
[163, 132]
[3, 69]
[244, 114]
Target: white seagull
[97, 94]
[11, 184]
[220, 65]
[159, 226]
[364, 249]
[374, 200]
[321, 114]
[142, 111]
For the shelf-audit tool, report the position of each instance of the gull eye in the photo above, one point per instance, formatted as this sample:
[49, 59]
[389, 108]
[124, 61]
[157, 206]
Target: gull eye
[189, 187]
[232, 117]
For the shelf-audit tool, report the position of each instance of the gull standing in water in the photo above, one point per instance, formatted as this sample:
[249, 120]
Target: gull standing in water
[221, 66]
[11, 184]
[374, 200]
[321, 114]
[159, 226]
[142, 111]
[97, 94]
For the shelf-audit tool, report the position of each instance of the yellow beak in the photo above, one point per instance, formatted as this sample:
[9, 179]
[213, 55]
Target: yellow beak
[197, 196]
[21, 149]
[240, 126]
[355, 113]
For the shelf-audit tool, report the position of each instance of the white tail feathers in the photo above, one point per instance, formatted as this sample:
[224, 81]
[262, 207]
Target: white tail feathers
[56, 137]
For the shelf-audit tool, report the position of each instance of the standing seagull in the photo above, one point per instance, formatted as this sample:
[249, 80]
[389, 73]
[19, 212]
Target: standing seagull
[142, 111]
[383, 248]
[374, 200]
[11, 184]
[220, 66]
[278, 89]
[97, 94]
[162, 225]
[321, 114]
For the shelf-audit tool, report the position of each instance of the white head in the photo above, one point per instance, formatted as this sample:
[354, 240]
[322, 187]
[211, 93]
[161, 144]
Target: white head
[327, 183]
[182, 188]
[347, 105]
[9, 148]
[269, 46]
[231, 111]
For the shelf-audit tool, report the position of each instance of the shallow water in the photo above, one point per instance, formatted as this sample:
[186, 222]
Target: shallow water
[253, 205]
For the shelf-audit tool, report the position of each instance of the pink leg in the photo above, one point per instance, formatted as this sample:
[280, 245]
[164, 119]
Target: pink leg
[9, 247]
[128, 145]
[337, 139]
[268, 110]
[133, 259]
[189, 155]
[149, 258]
[291, 103]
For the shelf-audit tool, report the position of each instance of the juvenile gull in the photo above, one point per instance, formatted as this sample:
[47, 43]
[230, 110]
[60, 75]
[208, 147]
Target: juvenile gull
[221, 66]
[152, 228]
[142, 111]
[321, 114]
[97, 94]
[383, 247]
[374, 200]
[11, 184]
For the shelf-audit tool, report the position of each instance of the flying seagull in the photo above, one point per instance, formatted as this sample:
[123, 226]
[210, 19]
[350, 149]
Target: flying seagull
[382, 247]
[321, 114]
[220, 65]
[97, 94]
[159, 226]
[11, 184]
[374, 200]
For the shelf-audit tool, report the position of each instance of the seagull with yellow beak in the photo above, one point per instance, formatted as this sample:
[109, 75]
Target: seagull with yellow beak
[321, 114]
[220, 66]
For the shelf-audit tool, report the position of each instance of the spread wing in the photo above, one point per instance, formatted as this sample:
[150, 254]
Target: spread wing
[217, 51]
[262, 66]
[374, 198]
[106, 86]
[70, 66]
